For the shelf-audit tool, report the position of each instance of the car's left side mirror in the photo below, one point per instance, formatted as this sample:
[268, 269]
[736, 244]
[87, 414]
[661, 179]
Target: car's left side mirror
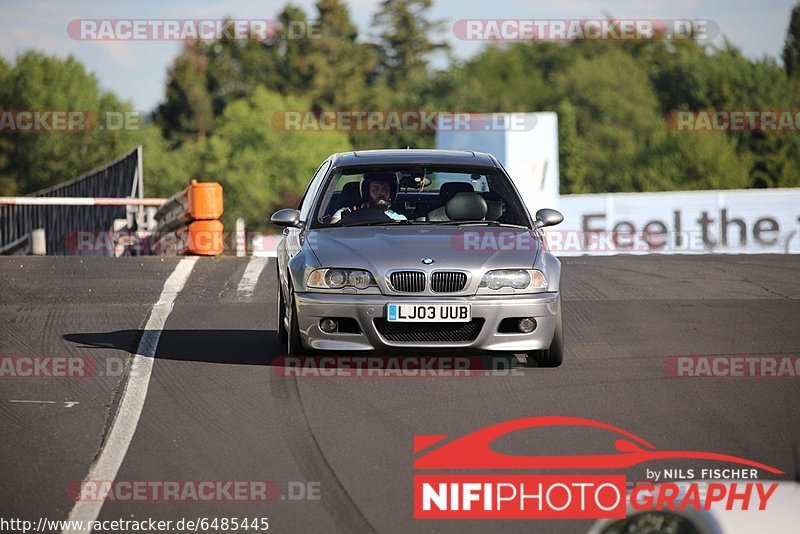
[287, 218]
[548, 217]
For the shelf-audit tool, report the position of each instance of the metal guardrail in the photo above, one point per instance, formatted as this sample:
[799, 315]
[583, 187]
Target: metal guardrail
[188, 222]
[120, 178]
[20, 247]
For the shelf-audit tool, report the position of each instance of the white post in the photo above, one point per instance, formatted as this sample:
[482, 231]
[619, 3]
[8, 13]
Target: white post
[139, 184]
[38, 242]
[241, 245]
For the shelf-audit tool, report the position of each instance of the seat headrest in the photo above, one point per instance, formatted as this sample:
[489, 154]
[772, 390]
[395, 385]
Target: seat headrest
[350, 194]
[466, 207]
[450, 189]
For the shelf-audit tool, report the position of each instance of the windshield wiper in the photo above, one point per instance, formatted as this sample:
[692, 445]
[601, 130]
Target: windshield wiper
[489, 223]
[377, 223]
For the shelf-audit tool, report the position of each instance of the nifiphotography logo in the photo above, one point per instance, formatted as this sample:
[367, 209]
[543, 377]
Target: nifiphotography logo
[495, 495]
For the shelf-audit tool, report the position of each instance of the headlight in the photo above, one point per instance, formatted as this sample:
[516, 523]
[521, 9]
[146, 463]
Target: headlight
[514, 278]
[339, 278]
[359, 279]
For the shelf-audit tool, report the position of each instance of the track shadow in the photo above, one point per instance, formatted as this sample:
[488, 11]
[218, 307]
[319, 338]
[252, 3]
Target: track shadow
[240, 347]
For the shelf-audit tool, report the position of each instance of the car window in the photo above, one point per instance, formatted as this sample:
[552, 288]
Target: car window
[307, 201]
[477, 181]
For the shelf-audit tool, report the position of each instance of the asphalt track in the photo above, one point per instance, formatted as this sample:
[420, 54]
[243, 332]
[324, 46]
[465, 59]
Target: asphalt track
[217, 410]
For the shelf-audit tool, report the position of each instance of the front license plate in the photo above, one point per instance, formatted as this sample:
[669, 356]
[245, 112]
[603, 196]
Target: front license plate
[443, 313]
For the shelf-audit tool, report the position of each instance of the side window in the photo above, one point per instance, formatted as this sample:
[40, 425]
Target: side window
[306, 204]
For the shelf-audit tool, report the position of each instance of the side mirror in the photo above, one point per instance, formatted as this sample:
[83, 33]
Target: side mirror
[287, 218]
[548, 217]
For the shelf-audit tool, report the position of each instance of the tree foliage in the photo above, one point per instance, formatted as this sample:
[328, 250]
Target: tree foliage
[215, 120]
[261, 168]
[791, 47]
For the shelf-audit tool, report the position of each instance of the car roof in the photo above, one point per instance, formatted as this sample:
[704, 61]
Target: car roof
[414, 156]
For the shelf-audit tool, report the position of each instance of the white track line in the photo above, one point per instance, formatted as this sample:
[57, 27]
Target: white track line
[130, 405]
[250, 277]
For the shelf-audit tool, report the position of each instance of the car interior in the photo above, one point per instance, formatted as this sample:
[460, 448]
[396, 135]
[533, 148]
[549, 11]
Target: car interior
[452, 201]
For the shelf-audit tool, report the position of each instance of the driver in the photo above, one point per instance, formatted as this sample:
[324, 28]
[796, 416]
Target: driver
[379, 189]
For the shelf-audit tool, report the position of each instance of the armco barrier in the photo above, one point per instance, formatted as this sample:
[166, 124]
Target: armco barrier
[188, 222]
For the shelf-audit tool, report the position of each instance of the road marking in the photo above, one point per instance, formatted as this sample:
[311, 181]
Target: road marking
[130, 406]
[67, 404]
[250, 277]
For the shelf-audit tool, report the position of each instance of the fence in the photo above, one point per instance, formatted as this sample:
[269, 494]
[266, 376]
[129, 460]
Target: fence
[120, 178]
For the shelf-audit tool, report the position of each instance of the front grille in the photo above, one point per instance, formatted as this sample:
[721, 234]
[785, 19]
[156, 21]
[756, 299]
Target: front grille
[408, 281]
[404, 332]
[448, 281]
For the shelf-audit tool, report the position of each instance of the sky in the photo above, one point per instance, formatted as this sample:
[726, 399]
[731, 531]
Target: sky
[136, 71]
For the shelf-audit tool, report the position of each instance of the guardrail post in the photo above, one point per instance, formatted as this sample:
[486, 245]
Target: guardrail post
[38, 242]
[241, 245]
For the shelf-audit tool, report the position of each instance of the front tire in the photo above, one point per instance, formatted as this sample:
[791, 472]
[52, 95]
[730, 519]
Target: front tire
[283, 336]
[294, 345]
[553, 356]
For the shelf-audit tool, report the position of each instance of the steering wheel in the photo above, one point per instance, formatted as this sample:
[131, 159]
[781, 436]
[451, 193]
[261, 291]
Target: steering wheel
[364, 216]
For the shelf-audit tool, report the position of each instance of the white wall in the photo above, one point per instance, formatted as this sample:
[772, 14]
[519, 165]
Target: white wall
[696, 222]
[525, 143]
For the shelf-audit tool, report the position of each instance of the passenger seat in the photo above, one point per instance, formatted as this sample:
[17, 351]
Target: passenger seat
[446, 192]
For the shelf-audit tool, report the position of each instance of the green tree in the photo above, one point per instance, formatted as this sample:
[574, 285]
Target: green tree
[187, 111]
[33, 160]
[706, 78]
[572, 170]
[405, 43]
[626, 144]
[616, 114]
[8, 183]
[337, 65]
[791, 47]
[169, 169]
[263, 168]
[690, 161]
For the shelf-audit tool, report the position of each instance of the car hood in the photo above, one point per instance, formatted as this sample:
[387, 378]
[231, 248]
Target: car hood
[382, 248]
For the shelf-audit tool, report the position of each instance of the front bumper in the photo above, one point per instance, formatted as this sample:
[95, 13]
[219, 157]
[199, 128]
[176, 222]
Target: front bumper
[311, 307]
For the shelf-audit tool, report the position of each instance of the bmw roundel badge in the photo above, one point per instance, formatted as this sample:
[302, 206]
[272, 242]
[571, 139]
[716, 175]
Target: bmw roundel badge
[427, 261]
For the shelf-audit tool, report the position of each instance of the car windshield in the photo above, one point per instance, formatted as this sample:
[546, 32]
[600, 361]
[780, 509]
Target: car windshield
[359, 196]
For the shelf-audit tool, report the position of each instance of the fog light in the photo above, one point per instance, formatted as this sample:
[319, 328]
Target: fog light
[329, 326]
[527, 325]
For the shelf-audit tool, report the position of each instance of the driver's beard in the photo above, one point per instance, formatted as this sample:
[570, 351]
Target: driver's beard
[381, 204]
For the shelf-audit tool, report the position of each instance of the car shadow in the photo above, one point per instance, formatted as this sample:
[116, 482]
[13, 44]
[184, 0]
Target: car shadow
[238, 347]
[262, 347]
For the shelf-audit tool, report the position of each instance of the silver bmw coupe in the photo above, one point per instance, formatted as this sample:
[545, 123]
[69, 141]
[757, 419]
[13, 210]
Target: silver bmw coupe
[420, 250]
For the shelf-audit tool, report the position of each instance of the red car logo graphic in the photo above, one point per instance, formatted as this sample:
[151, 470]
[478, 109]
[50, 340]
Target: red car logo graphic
[473, 451]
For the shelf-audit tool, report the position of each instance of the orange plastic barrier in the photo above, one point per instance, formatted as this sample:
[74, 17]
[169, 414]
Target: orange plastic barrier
[205, 238]
[188, 222]
[205, 200]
